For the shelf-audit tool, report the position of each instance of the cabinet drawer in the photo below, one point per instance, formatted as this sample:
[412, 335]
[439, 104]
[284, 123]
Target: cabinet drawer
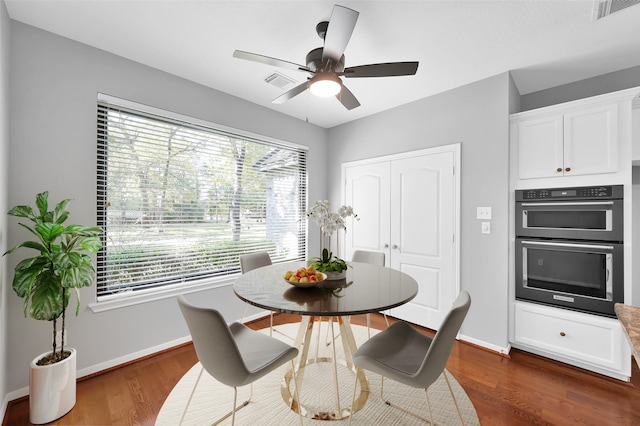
[587, 338]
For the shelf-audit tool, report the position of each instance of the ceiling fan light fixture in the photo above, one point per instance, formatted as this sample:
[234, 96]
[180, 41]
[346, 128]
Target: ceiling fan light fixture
[325, 85]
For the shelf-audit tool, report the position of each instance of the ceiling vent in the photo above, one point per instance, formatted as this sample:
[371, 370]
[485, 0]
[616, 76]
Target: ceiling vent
[604, 8]
[279, 80]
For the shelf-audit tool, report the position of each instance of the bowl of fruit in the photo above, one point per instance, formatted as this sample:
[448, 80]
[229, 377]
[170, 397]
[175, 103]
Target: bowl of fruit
[304, 277]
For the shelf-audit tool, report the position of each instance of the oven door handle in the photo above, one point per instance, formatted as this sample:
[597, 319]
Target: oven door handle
[575, 203]
[568, 245]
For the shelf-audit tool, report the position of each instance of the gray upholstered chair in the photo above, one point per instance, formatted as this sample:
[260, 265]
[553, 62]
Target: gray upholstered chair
[253, 261]
[403, 354]
[363, 256]
[233, 354]
[374, 258]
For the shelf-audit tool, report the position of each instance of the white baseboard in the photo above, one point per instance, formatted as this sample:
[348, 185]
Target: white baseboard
[106, 365]
[491, 347]
[19, 393]
[3, 409]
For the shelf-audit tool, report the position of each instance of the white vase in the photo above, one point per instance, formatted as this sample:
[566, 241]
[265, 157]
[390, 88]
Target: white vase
[52, 388]
[336, 275]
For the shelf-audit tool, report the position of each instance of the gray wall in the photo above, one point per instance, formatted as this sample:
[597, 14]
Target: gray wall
[54, 82]
[4, 141]
[477, 115]
[606, 83]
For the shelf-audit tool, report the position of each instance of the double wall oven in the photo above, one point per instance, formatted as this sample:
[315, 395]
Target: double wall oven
[569, 247]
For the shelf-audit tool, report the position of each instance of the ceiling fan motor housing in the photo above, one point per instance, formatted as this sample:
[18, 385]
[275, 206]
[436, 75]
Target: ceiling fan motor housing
[314, 62]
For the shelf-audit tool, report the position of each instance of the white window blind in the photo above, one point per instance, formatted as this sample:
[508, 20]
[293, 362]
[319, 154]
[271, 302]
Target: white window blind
[180, 202]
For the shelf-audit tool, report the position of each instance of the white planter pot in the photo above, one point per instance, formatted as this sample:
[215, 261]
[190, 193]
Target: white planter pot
[52, 389]
[336, 275]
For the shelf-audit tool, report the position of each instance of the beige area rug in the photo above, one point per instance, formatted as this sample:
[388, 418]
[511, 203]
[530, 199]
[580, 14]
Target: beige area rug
[212, 399]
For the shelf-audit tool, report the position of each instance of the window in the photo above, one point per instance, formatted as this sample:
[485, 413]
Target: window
[180, 200]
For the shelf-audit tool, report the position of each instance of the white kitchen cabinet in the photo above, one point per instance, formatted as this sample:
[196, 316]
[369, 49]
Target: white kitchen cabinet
[587, 341]
[577, 142]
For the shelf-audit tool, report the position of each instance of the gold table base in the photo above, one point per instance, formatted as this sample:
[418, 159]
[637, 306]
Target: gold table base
[303, 341]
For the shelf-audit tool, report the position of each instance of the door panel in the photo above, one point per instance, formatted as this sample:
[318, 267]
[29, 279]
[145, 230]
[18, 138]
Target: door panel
[367, 191]
[422, 227]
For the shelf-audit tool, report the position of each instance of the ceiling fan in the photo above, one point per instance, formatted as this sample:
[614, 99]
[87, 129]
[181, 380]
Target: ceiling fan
[326, 64]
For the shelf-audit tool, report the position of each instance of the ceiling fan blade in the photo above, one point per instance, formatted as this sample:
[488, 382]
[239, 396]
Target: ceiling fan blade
[347, 98]
[269, 61]
[341, 25]
[291, 93]
[389, 69]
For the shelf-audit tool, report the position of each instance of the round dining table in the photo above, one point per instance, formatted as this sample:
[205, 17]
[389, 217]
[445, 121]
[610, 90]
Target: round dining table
[367, 288]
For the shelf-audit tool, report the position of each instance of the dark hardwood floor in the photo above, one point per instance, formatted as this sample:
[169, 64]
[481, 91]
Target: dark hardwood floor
[522, 389]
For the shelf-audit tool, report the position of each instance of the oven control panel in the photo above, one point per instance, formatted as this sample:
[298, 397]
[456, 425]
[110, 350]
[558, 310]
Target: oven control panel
[585, 192]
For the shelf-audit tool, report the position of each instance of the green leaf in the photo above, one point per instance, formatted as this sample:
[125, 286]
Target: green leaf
[62, 218]
[60, 213]
[82, 231]
[22, 211]
[90, 244]
[46, 302]
[29, 244]
[24, 278]
[81, 276]
[42, 203]
[49, 231]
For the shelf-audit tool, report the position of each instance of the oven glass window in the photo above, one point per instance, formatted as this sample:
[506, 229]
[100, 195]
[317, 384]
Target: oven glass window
[573, 272]
[573, 219]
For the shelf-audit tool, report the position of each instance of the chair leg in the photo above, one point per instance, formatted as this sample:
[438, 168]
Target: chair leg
[455, 401]
[195, 386]
[426, 394]
[271, 324]
[232, 413]
[404, 410]
[244, 313]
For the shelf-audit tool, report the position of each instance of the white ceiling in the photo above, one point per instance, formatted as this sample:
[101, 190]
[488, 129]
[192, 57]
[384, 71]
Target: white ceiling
[543, 43]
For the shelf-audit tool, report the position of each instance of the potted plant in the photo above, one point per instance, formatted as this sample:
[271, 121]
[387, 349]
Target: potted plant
[334, 267]
[330, 222]
[45, 282]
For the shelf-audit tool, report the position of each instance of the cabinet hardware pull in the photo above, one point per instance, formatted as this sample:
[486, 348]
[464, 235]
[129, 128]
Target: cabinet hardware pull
[568, 169]
[386, 246]
[559, 169]
[562, 333]
[395, 246]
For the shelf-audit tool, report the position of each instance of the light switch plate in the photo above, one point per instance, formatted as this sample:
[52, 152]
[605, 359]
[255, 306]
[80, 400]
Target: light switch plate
[483, 213]
[486, 227]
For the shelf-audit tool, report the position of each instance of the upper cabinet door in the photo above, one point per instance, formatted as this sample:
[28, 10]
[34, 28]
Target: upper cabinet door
[540, 147]
[591, 141]
[575, 143]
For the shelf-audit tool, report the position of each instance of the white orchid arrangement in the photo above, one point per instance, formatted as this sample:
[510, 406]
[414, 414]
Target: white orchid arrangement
[329, 222]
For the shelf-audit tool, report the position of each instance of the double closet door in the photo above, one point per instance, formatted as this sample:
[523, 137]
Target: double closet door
[408, 208]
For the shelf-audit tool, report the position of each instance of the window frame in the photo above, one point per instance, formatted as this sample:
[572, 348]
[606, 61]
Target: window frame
[170, 290]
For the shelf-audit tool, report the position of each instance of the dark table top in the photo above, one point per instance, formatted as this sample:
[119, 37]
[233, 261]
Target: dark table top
[367, 288]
